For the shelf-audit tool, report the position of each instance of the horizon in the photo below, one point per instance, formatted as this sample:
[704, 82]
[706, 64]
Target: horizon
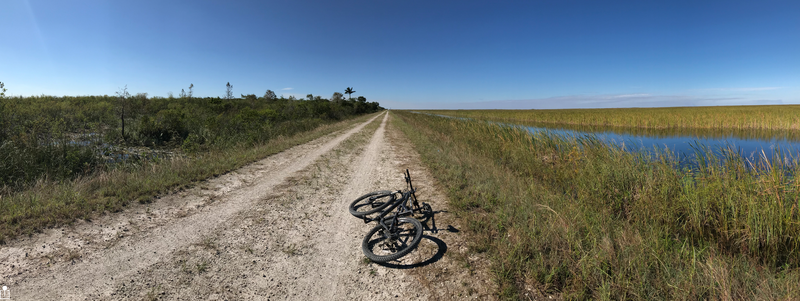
[413, 55]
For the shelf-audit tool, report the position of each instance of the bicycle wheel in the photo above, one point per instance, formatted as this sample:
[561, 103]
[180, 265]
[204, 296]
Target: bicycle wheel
[371, 202]
[380, 246]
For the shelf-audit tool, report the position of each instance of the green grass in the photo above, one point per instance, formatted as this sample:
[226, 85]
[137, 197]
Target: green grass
[583, 220]
[52, 203]
[775, 117]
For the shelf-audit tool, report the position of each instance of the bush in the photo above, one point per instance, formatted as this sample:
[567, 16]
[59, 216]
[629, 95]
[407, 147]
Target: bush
[192, 144]
[169, 126]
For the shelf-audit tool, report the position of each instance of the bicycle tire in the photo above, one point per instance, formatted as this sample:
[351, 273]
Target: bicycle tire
[376, 241]
[363, 201]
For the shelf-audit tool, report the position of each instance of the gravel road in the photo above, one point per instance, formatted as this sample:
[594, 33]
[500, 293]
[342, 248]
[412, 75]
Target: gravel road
[277, 229]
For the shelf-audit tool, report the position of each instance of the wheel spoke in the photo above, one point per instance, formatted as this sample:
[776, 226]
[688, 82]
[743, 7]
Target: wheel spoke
[370, 204]
[381, 245]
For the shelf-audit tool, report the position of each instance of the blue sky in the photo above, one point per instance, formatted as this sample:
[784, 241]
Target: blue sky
[412, 54]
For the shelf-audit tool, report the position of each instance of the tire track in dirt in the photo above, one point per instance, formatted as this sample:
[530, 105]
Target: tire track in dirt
[94, 276]
[339, 244]
[299, 244]
[361, 182]
[330, 265]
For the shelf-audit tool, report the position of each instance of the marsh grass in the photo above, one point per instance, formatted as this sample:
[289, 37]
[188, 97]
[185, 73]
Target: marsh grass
[49, 203]
[775, 117]
[580, 219]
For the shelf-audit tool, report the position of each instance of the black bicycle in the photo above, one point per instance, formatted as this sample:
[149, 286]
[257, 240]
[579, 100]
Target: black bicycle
[397, 232]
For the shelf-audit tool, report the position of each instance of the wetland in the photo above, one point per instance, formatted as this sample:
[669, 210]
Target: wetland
[563, 212]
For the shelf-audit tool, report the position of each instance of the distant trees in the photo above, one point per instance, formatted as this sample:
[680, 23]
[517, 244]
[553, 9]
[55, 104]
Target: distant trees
[3, 119]
[229, 91]
[2, 95]
[269, 95]
[187, 95]
[122, 104]
[349, 91]
[250, 97]
[337, 97]
[362, 99]
[36, 131]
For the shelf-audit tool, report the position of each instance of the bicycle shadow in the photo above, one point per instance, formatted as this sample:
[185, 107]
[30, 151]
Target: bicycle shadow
[430, 216]
[441, 246]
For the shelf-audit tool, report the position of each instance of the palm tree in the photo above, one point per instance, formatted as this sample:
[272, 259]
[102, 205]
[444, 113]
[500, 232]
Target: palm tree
[349, 91]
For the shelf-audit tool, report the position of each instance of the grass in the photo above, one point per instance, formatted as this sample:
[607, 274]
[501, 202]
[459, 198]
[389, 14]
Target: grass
[52, 203]
[578, 219]
[202, 267]
[208, 243]
[152, 295]
[292, 250]
[775, 117]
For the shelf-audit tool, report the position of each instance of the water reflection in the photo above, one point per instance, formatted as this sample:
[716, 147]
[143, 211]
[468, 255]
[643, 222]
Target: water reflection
[684, 143]
[713, 134]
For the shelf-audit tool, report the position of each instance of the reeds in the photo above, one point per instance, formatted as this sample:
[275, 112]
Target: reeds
[774, 117]
[574, 217]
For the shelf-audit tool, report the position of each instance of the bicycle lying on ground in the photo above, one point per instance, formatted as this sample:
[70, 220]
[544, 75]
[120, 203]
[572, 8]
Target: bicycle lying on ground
[397, 232]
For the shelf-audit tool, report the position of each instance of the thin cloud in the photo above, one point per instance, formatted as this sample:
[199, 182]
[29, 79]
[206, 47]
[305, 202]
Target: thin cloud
[628, 95]
[287, 89]
[747, 89]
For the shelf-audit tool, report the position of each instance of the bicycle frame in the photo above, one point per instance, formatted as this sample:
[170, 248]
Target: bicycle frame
[399, 228]
[400, 205]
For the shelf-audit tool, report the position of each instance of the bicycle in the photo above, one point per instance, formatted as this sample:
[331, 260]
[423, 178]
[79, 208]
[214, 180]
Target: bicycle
[397, 234]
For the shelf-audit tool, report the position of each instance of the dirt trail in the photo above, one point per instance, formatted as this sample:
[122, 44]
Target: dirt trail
[277, 229]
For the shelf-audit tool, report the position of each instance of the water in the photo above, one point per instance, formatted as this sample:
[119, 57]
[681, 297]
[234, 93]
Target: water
[114, 154]
[684, 144]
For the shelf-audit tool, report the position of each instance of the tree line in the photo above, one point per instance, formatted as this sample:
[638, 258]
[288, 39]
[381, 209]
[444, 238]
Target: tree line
[63, 137]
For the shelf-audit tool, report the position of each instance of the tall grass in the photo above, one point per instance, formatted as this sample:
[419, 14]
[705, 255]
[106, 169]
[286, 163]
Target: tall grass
[580, 219]
[774, 117]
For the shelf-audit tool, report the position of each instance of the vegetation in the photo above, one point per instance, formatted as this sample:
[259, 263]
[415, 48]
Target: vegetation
[703, 133]
[70, 157]
[349, 91]
[777, 117]
[577, 218]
